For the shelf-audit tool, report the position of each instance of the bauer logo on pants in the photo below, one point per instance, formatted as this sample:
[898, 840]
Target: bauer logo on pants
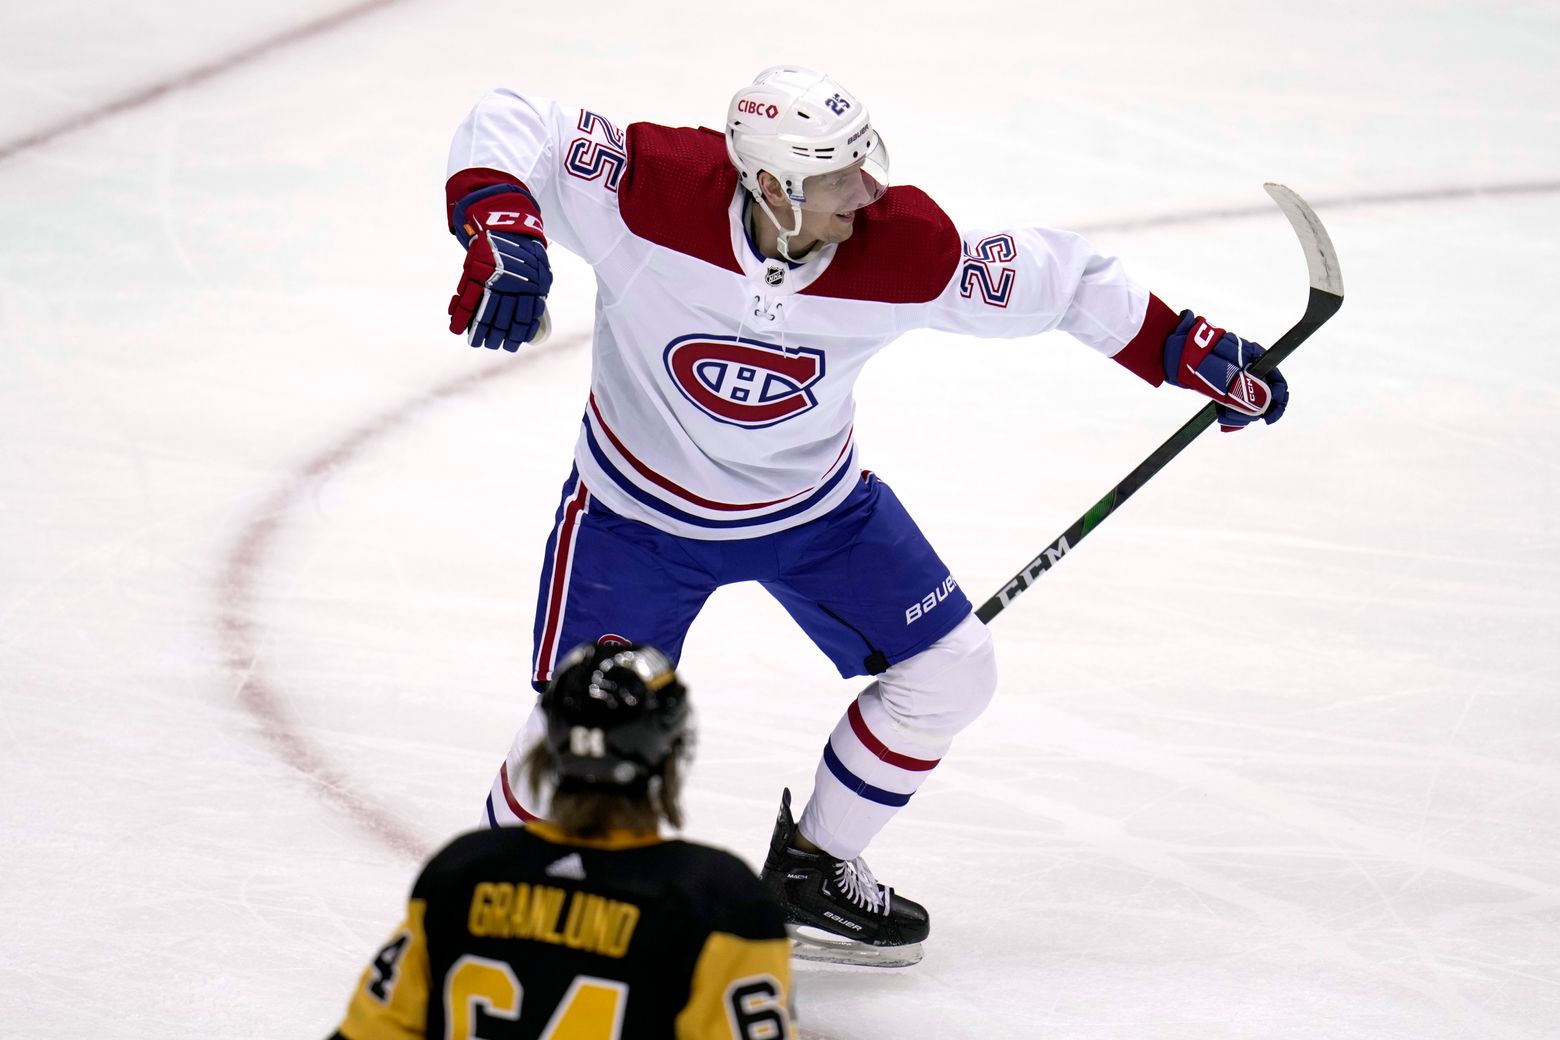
[929, 603]
[742, 382]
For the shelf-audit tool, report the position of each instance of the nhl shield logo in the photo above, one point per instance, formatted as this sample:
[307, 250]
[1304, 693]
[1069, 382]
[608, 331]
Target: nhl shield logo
[743, 382]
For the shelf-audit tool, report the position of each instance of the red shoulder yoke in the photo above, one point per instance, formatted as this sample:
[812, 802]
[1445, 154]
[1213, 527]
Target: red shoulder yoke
[677, 190]
[904, 250]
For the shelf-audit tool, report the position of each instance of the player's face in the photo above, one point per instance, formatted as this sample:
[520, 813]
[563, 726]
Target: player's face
[832, 200]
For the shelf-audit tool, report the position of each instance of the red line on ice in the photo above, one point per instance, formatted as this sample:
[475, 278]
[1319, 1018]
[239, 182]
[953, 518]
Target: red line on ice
[243, 631]
[1449, 193]
[189, 78]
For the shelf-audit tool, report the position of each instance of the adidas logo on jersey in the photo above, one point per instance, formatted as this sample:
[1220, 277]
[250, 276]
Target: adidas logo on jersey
[570, 866]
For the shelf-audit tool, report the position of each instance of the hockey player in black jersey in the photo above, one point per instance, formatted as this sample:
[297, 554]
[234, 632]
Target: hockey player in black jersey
[588, 925]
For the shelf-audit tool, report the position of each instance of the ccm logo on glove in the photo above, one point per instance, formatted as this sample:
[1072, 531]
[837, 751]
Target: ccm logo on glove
[501, 301]
[508, 218]
[1216, 363]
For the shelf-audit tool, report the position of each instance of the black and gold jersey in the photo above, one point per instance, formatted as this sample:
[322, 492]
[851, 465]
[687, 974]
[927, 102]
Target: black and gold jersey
[524, 934]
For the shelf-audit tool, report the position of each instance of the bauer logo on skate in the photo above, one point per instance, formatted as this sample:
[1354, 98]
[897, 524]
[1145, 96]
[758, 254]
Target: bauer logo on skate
[930, 601]
[743, 382]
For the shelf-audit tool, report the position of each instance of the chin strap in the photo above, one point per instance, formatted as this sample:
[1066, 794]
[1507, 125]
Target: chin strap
[784, 241]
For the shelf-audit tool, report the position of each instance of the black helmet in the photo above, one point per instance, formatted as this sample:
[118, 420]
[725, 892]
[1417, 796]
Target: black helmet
[614, 714]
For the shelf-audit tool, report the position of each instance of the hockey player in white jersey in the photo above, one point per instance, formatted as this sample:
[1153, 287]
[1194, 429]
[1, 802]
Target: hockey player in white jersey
[743, 280]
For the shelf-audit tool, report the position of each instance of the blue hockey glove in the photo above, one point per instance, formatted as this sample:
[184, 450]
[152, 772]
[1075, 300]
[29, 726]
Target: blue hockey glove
[502, 297]
[1215, 363]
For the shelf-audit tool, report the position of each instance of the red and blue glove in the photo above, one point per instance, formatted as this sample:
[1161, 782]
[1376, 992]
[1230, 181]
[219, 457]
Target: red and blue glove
[1215, 363]
[502, 297]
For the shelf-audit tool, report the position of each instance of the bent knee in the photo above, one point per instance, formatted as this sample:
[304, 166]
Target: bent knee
[945, 687]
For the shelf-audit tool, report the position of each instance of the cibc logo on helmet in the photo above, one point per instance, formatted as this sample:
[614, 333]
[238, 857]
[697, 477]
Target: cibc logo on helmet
[743, 382]
[758, 108]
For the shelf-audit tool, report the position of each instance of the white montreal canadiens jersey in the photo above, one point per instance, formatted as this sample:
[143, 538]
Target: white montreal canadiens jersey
[721, 402]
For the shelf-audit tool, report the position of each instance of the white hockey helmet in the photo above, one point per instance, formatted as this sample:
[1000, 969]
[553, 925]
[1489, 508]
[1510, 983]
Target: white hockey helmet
[799, 125]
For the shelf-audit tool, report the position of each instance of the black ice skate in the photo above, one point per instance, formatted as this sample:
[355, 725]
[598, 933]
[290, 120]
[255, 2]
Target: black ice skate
[835, 909]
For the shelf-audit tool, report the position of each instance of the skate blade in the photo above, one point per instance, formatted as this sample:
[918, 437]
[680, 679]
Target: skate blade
[820, 947]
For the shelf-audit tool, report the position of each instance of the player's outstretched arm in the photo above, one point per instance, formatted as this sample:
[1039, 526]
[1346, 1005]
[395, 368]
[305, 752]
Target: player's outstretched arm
[1024, 281]
[513, 160]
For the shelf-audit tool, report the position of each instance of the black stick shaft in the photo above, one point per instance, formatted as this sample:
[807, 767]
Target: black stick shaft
[1321, 306]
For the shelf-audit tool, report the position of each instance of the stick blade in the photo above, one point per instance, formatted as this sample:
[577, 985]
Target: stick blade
[1320, 257]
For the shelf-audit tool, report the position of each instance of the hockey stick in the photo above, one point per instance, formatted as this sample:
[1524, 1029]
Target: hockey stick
[1325, 299]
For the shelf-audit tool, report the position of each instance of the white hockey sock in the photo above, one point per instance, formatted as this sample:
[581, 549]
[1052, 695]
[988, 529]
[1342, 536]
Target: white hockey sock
[868, 771]
[512, 802]
[893, 735]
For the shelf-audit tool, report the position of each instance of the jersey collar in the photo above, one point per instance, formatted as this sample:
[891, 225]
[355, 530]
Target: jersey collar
[617, 839]
[777, 277]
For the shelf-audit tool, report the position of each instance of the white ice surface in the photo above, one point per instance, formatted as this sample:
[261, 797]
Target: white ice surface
[1276, 753]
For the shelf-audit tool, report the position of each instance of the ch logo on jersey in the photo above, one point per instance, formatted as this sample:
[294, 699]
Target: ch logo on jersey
[742, 382]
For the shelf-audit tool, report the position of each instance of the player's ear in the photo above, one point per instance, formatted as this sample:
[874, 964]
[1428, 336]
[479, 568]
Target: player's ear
[774, 194]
